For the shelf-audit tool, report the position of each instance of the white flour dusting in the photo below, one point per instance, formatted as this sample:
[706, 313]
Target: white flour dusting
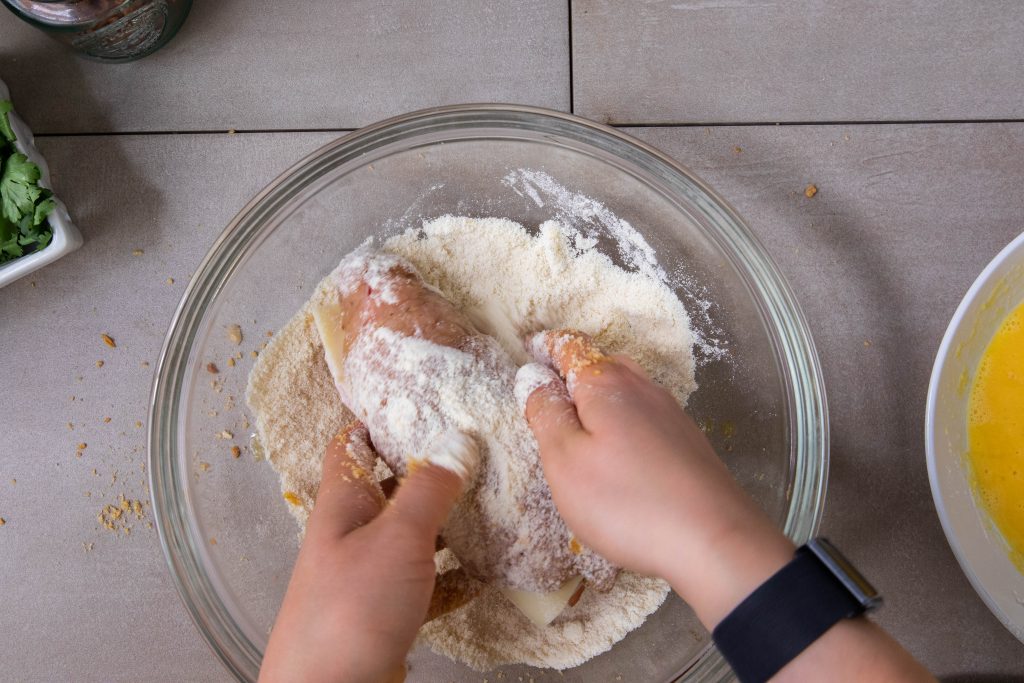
[507, 281]
[590, 218]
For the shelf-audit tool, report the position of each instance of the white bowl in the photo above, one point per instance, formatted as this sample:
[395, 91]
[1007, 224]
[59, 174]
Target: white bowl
[975, 540]
[66, 237]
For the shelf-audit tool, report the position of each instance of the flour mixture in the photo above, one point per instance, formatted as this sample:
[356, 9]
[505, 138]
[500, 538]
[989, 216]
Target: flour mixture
[506, 280]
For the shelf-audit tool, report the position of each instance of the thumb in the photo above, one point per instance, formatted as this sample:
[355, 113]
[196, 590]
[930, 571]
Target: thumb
[549, 410]
[433, 484]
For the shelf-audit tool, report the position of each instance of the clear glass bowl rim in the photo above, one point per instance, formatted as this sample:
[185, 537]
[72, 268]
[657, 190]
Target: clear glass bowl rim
[796, 353]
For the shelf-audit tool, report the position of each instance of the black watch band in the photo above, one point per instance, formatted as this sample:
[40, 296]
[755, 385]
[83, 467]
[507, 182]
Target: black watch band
[791, 610]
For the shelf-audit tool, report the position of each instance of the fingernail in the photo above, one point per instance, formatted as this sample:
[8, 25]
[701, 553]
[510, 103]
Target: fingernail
[529, 378]
[456, 452]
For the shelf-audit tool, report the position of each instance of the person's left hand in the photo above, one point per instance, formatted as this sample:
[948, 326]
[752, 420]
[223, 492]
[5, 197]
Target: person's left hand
[362, 583]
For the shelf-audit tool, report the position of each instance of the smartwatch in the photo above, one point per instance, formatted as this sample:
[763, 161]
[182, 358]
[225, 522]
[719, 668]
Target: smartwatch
[791, 610]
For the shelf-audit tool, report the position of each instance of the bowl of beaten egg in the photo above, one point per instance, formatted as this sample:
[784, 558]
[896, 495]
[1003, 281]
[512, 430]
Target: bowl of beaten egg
[974, 435]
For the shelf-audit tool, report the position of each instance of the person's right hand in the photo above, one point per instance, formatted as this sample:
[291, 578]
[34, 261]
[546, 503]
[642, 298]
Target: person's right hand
[637, 481]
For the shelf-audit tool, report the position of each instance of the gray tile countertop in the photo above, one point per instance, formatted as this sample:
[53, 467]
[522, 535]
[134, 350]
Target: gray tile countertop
[906, 216]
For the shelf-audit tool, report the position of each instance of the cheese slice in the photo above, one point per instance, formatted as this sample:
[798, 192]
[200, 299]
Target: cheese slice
[329, 319]
[542, 608]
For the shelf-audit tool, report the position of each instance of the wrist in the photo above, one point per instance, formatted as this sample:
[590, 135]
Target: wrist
[727, 566]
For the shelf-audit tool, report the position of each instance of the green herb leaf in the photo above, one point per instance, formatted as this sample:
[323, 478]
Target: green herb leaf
[9, 247]
[43, 209]
[19, 190]
[5, 123]
[24, 206]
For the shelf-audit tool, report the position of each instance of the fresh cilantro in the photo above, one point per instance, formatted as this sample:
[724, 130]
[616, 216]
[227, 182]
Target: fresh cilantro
[9, 247]
[5, 124]
[43, 209]
[19, 189]
[24, 205]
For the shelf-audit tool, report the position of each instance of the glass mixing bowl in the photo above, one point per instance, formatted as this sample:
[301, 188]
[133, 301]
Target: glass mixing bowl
[227, 536]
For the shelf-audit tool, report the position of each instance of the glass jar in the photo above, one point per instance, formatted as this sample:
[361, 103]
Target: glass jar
[106, 30]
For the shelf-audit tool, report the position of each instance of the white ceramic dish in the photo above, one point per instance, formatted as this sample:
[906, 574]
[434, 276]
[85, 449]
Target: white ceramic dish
[976, 542]
[66, 237]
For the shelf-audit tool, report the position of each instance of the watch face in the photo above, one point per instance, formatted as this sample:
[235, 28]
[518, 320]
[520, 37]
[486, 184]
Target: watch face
[859, 587]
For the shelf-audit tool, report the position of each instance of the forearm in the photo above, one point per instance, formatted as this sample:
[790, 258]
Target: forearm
[854, 650]
[740, 561]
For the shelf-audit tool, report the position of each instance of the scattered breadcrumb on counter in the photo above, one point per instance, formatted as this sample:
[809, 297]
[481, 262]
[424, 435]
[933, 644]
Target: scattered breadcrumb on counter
[2, 521]
[117, 516]
[99, 364]
[108, 340]
[235, 333]
[810, 191]
[212, 368]
[137, 252]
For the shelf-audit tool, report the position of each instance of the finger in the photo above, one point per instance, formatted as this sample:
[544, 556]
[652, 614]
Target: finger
[389, 486]
[434, 483]
[568, 351]
[549, 410]
[628, 362]
[349, 495]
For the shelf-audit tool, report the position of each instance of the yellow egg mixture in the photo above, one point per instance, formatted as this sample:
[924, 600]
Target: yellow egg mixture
[995, 432]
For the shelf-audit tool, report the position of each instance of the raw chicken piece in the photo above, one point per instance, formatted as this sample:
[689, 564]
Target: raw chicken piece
[414, 369]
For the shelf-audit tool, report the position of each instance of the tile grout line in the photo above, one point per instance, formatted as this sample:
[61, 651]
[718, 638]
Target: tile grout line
[233, 131]
[781, 124]
[705, 124]
[572, 96]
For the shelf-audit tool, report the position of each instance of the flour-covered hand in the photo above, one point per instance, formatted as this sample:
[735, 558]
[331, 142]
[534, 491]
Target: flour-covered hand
[636, 479]
[364, 578]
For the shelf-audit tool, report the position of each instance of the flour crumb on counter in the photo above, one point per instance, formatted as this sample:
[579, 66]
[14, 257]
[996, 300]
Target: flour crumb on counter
[234, 332]
[117, 516]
